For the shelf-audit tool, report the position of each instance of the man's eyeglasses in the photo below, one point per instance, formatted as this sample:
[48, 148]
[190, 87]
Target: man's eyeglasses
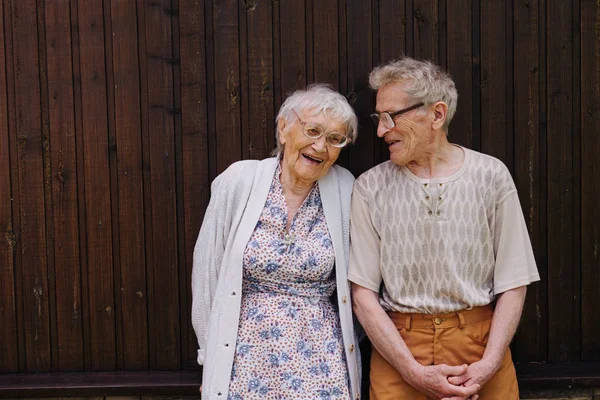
[387, 119]
[315, 131]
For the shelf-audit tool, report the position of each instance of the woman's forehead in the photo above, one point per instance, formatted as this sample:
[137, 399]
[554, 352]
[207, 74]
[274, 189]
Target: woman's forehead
[323, 118]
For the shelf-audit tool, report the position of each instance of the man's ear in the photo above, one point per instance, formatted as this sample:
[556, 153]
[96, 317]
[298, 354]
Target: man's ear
[440, 112]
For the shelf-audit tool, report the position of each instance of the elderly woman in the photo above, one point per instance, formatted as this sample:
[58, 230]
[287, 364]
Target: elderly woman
[271, 301]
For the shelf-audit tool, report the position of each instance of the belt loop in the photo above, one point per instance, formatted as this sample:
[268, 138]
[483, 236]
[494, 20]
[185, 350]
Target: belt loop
[461, 319]
[408, 321]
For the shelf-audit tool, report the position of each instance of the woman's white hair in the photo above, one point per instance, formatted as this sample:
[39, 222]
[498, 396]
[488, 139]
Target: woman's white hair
[424, 82]
[318, 98]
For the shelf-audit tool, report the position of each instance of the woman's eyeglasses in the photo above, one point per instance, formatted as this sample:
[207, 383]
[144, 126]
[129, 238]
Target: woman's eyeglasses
[315, 131]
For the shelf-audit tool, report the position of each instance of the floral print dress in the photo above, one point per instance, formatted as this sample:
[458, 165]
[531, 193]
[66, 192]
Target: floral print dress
[289, 339]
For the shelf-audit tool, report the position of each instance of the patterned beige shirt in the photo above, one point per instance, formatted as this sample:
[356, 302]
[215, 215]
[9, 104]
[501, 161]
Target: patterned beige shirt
[443, 244]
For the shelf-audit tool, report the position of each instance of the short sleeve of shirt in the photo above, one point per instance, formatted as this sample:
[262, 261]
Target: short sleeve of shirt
[364, 243]
[515, 263]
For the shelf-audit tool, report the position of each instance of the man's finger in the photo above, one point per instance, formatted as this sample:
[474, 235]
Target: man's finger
[453, 371]
[458, 380]
[464, 391]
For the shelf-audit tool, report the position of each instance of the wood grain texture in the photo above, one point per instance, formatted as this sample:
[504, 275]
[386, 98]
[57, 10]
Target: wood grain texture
[116, 116]
[128, 143]
[96, 181]
[563, 285]
[590, 174]
[8, 330]
[26, 131]
[532, 336]
[67, 260]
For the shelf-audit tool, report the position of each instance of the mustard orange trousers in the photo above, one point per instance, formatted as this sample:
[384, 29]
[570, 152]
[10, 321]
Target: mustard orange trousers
[452, 339]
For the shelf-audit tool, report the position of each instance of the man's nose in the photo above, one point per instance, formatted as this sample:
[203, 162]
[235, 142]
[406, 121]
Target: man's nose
[381, 129]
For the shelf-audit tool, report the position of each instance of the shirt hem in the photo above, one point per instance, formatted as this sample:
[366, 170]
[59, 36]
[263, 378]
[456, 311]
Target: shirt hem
[515, 284]
[363, 283]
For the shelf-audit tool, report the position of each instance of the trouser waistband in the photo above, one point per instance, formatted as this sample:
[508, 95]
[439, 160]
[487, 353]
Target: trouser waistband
[439, 321]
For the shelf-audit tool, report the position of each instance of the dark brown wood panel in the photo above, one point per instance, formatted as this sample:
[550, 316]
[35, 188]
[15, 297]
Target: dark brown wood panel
[258, 134]
[292, 31]
[425, 29]
[590, 173]
[563, 287]
[196, 181]
[97, 201]
[26, 131]
[531, 338]
[69, 332]
[460, 65]
[325, 36]
[227, 84]
[128, 142]
[366, 152]
[8, 329]
[118, 115]
[163, 254]
[494, 83]
[392, 45]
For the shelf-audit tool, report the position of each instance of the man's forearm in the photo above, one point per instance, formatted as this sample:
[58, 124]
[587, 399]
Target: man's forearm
[507, 314]
[381, 330]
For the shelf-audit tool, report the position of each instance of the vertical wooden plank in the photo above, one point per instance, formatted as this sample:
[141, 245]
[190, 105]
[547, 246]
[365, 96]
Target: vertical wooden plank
[392, 34]
[425, 29]
[292, 46]
[564, 309]
[259, 138]
[145, 122]
[459, 62]
[196, 177]
[532, 337]
[47, 172]
[442, 34]
[392, 45]
[360, 63]
[8, 330]
[161, 154]
[326, 43]
[227, 84]
[128, 133]
[113, 179]
[183, 278]
[590, 171]
[69, 356]
[97, 187]
[78, 117]
[493, 81]
[26, 131]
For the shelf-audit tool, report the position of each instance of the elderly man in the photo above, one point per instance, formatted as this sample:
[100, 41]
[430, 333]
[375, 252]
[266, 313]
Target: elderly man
[440, 254]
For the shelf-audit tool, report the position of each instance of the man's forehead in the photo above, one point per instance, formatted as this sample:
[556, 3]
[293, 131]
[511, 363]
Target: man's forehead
[390, 97]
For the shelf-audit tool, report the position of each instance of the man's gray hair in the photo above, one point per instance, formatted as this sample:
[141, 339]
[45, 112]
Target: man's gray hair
[318, 98]
[424, 82]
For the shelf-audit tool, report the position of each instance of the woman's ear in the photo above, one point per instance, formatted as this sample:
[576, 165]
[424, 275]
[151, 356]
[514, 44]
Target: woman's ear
[281, 124]
[440, 112]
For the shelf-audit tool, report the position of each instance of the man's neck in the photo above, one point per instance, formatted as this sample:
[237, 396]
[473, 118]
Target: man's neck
[438, 160]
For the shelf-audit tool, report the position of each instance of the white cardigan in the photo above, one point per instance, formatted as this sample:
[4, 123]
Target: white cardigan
[237, 199]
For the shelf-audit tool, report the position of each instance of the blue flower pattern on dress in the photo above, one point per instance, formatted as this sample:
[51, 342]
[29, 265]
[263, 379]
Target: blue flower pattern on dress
[289, 337]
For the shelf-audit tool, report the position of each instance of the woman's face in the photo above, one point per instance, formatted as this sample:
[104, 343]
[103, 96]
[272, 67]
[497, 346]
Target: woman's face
[306, 159]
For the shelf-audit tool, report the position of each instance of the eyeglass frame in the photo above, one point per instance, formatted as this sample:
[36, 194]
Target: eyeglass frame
[392, 115]
[303, 123]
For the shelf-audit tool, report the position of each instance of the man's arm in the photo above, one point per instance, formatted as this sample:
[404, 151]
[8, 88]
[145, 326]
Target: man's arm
[430, 380]
[507, 314]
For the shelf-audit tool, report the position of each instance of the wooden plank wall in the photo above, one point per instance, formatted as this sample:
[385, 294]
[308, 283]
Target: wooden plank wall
[115, 116]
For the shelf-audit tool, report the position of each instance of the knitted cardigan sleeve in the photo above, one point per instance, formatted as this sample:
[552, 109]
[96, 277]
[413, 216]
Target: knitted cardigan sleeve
[209, 251]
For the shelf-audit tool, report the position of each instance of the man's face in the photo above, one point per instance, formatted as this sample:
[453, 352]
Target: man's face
[411, 133]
